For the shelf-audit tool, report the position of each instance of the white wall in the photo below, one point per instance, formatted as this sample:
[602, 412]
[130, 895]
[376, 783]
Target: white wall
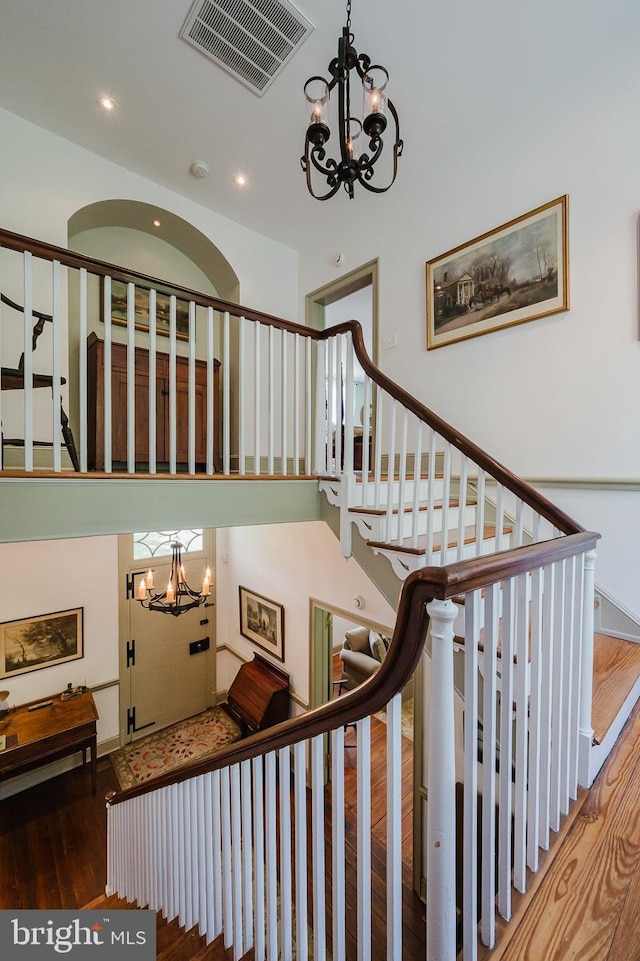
[50, 576]
[47, 179]
[289, 563]
[557, 397]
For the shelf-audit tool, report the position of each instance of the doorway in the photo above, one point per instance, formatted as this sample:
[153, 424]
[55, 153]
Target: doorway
[167, 664]
[353, 296]
[328, 625]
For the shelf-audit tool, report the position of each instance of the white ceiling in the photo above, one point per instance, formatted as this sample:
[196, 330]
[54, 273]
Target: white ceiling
[455, 66]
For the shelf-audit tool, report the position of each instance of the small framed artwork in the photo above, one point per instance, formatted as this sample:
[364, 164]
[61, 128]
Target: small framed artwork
[141, 309]
[515, 273]
[35, 642]
[262, 621]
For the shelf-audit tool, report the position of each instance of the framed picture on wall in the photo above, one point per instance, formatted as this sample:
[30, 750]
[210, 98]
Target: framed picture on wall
[43, 641]
[141, 309]
[262, 622]
[507, 276]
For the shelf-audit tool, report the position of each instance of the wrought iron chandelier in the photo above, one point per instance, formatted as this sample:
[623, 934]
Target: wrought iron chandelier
[178, 596]
[353, 166]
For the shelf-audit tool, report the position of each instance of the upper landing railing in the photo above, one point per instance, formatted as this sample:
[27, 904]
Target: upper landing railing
[160, 379]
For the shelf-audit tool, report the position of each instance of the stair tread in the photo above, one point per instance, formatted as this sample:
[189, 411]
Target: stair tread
[469, 536]
[616, 668]
[422, 506]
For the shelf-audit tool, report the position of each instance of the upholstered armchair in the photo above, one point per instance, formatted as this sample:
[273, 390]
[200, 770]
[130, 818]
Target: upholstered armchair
[362, 653]
[358, 661]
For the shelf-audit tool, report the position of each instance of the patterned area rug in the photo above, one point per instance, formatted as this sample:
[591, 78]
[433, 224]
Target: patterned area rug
[407, 718]
[188, 740]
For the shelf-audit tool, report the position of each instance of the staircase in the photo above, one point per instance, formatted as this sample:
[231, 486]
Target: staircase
[228, 844]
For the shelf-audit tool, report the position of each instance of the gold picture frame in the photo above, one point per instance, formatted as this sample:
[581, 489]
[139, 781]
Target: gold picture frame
[141, 309]
[31, 643]
[510, 275]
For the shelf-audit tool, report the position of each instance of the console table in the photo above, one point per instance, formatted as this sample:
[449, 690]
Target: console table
[36, 737]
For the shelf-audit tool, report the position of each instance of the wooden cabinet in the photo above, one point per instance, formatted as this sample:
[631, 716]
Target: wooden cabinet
[95, 384]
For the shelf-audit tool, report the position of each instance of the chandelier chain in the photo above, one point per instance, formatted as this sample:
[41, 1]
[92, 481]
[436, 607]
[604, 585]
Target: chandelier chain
[349, 15]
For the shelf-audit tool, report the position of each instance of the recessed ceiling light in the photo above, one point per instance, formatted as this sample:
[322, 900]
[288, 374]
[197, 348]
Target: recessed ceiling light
[241, 180]
[156, 223]
[107, 103]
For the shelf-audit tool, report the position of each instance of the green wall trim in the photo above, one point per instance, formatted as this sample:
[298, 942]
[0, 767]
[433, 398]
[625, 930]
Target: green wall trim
[47, 508]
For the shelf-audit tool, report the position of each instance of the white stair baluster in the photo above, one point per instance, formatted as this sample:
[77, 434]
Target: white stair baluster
[173, 387]
[236, 862]
[284, 770]
[300, 801]
[243, 406]
[533, 793]
[247, 850]
[317, 845]
[338, 890]
[216, 813]
[27, 362]
[131, 378]
[153, 383]
[505, 804]
[489, 744]
[211, 399]
[226, 396]
[394, 829]
[471, 717]
[284, 404]
[227, 870]
[56, 373]
[298, 404]
[257, 406]
[258, 854]
[191, 419]
[522, 704]
[586, 670]
[271, 857]
[441, 820]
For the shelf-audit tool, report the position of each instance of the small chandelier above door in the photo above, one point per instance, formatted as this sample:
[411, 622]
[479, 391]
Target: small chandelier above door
[178, 596]
[358, 156]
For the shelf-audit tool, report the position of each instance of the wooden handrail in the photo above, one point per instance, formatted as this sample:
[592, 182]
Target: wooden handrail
[397, 668]
[493, 467]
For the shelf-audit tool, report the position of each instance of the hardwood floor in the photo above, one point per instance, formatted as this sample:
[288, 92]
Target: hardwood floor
[53, 842]
[52, 854]
[588, 906]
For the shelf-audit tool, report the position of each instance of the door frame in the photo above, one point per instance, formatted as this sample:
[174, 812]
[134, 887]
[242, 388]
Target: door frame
[363, 276]
[320, 656]
[126, 565]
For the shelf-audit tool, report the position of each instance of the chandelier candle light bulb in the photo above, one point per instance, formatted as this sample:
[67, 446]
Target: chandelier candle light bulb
[178, 597]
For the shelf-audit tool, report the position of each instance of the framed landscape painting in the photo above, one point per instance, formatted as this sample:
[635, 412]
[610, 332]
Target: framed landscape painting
[507, 276]
[262, 621]
[35, 642]
[141, 309]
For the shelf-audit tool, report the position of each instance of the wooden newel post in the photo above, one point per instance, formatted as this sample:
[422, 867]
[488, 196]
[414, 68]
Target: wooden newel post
[441, 797]
[586, 672]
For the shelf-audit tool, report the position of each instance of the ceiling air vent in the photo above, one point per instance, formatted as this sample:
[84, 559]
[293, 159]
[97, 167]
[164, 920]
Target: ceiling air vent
[250, 39]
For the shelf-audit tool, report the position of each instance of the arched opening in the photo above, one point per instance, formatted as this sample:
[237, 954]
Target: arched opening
[173, 244]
